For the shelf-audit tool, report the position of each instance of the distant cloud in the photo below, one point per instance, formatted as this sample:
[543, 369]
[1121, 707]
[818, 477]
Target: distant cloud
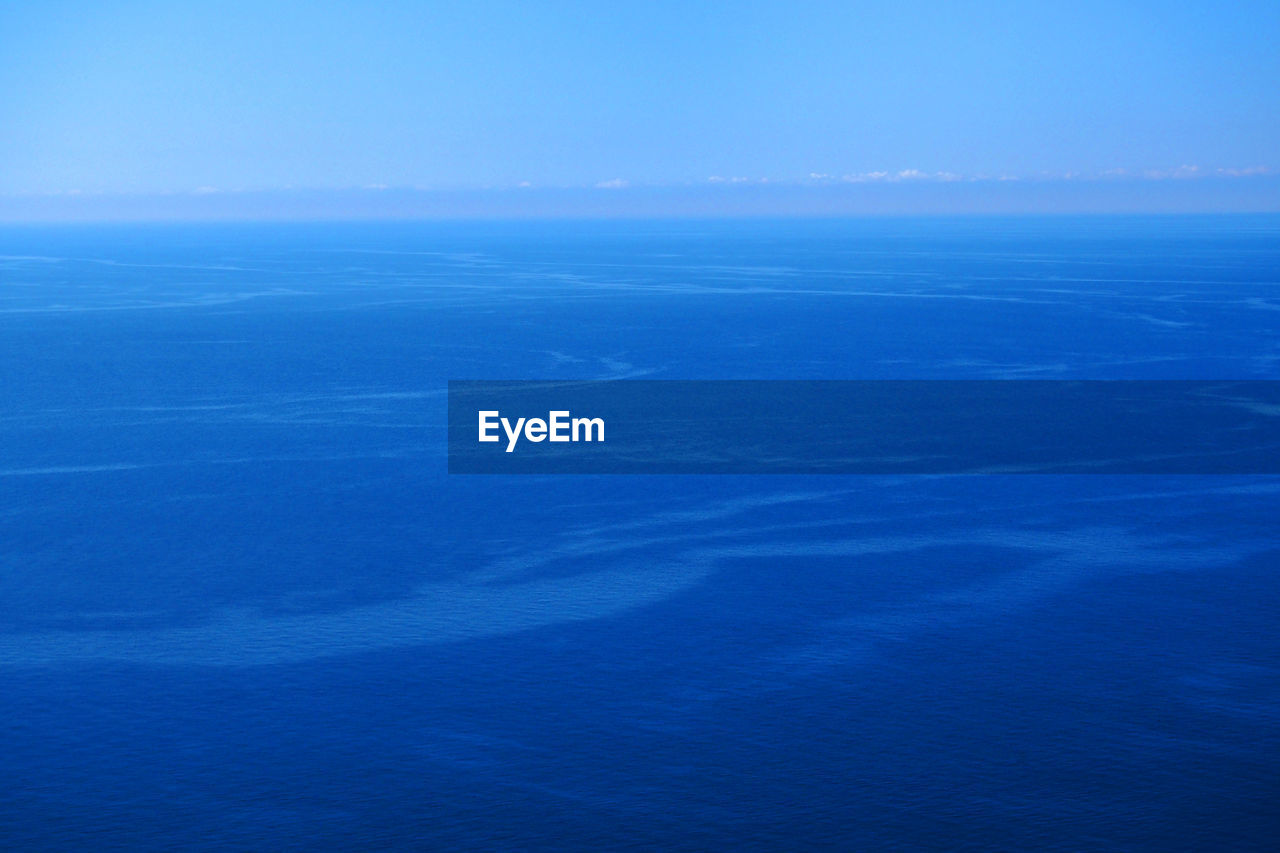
[615, 184]
[864, 177]
[901, 175]
[1247, 172]
[205, 190]
[1186, 171]
[1182, 172]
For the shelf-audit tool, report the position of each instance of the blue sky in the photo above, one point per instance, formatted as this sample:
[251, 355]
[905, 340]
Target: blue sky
[196, 98]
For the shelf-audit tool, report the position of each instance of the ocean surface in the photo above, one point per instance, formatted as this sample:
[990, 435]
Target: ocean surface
[244, 607]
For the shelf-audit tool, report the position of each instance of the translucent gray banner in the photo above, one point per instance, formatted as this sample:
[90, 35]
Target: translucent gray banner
[865, 427]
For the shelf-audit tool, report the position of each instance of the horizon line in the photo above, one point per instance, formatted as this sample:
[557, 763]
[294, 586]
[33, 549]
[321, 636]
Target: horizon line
[912, 176]
[1257, 192]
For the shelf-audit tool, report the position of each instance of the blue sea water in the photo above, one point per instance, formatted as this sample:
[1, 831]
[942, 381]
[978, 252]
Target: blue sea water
[243, 606]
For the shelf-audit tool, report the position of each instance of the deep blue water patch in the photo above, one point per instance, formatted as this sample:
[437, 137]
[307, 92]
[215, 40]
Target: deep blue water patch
[243, 605]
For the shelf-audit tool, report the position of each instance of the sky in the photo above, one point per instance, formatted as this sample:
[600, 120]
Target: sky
[268, 98]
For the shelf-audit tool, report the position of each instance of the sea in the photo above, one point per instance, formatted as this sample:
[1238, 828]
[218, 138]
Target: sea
[244, 605]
